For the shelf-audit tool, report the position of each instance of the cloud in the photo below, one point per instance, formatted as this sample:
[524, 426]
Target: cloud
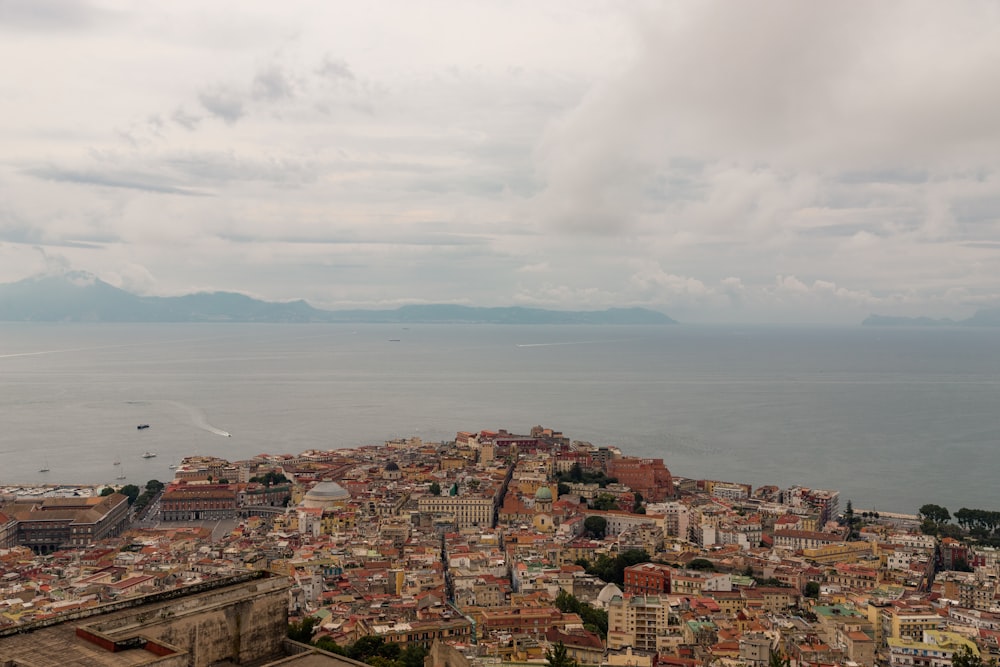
[273, 83]
[110, 180]
[48, 14]
[335, 69]
[223, 102]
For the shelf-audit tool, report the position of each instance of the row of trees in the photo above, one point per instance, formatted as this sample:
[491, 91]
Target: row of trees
[612, 568]
[136, 496]
[594, 619]
[984, 524]
[371, 649]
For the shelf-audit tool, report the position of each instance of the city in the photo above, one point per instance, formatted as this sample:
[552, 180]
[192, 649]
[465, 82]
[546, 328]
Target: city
[503, 549]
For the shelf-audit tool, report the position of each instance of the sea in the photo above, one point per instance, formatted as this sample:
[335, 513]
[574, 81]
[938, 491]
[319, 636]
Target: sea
[893, 418]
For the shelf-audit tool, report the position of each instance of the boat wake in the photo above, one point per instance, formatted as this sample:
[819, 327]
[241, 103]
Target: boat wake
[199, 420]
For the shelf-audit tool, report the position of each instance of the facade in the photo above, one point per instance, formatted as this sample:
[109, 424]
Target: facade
[937, 649]
[195, 503]
[51, 523]
[647, 579]
[468, 511]
[647, 476]
[637, 621]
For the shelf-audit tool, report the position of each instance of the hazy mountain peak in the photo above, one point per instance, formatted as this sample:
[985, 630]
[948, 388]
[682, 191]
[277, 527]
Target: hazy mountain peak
[78, 296]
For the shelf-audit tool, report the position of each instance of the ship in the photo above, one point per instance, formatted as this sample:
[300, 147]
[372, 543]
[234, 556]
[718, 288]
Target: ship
[142, 426]
[148, 455]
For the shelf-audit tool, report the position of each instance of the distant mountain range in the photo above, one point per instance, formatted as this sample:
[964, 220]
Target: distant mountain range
[986, 317]
[82, 297]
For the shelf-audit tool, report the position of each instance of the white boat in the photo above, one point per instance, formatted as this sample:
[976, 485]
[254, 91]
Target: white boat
[148, 455]
[121, 476]
[44, 468]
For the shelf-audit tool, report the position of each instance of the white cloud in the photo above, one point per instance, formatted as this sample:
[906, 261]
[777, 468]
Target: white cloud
[588, 154]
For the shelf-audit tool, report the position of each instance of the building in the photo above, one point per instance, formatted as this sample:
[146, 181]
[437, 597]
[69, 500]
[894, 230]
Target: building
[647, 476]
[468, 510]
[198, 502]
[637, 621]
[937, 649]
[241, 620]
[49, 524]
[647, 579]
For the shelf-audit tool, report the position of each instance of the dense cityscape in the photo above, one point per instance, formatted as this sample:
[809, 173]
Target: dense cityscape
[492, 549]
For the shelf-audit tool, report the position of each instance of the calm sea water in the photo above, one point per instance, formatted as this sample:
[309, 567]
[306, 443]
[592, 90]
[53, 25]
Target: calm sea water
[891, 418]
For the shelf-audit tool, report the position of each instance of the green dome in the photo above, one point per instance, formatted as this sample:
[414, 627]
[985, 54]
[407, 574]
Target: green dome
[543, 493]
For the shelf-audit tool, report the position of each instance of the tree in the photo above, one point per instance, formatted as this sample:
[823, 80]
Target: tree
[967, 657]
[637, 506]
[604, 502]
[562, 489]
[935, 513]
[366, 647]
[326, 643]
[701, 564]
[302, 631]
[434, 489]
[107, 491]
[778, 659]
[154, 486]
[596, 526]
[413, 656]
[557, 656]
[132, 491]
[270, 478]
[812, 590]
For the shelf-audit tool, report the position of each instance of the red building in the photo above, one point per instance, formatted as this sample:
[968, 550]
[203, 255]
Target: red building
[647, 476]
[647, 579]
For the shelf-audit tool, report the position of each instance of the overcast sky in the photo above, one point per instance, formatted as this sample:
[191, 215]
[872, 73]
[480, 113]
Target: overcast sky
[717, 161]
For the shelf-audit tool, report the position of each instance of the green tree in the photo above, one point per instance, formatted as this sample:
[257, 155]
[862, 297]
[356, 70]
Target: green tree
[154, 486]
[413, 656]
[701, 564]
[594, 619]
[596, 526]
[934, 513]
[812, 590]
[366, 647]
[132, 491]
[107, 491]
[778, 659]
[950, 530]
[604, 502]
[326, 643]
[967, 657]
[557, 656]
[302, 631]
[562, 489]
[434, 489]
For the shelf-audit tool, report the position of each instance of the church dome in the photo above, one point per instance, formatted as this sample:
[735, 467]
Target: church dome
[325, 494]
[543, 493]
[391, 466]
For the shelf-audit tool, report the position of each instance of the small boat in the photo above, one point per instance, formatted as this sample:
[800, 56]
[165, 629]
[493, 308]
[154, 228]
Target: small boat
[43, 469]
[142, 426]
[117, 462]
[122, 476]
[148, 455]
[172, 466]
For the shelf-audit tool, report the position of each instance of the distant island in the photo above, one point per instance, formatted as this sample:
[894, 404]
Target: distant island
[985, 317]
[82, 297]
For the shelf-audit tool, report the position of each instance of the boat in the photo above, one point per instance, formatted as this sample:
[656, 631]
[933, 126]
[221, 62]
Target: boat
[117, 462]
[121, 476]
[142, 426]
[44, 468]
[148, 455]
